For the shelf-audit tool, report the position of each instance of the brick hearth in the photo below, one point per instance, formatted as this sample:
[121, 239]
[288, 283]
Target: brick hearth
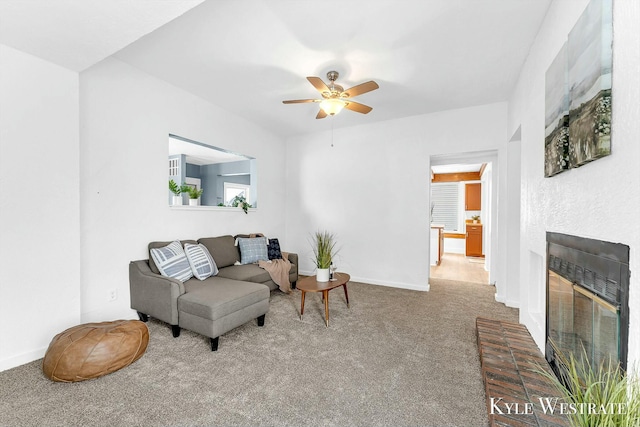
[509, 359]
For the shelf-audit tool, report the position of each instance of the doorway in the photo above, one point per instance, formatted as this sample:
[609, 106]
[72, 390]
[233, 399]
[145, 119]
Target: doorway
[462, 213]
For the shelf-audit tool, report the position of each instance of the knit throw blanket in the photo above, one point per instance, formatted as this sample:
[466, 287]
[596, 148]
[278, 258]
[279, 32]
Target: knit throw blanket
[279, 269]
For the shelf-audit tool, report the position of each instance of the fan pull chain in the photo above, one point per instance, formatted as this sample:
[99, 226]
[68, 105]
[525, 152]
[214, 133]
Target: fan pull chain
[331, 130]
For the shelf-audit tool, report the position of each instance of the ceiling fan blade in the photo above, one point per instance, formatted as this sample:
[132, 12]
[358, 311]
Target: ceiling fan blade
[300, 101]
[321, 114]
[357, 107]
[318, 84]
[360, 89]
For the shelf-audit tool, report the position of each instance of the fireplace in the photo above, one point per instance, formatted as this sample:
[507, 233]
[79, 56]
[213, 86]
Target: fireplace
[587, 300]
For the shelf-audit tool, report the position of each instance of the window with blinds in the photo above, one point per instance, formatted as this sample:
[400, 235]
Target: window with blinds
[445, 202]
[174, 167]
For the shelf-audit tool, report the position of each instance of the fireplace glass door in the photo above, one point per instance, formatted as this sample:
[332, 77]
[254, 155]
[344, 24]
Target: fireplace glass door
[587, 301]
[581, 323]
[561, 332]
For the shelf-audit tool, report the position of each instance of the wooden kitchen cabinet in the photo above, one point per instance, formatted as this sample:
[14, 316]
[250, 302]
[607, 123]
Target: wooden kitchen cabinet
[472, 197]
[473, 240]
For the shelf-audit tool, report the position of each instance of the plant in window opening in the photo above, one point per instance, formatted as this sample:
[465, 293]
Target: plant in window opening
[178, 189]
[194, 193]
[174, 188]
[240, 201]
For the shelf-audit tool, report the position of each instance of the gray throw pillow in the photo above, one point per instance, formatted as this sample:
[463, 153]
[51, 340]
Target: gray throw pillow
[253, 250]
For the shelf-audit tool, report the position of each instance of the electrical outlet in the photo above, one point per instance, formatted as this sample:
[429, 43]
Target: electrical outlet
[113, 294]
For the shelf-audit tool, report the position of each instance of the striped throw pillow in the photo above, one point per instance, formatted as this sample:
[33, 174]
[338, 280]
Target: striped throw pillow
[172, 261]
[202, 264]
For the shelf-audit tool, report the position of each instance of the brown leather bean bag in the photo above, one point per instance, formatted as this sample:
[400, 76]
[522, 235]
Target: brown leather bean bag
[94, 349]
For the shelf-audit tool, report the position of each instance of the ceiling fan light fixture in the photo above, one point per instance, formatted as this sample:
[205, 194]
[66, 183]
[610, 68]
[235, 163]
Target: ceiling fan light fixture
[332, 106]
[335, 98]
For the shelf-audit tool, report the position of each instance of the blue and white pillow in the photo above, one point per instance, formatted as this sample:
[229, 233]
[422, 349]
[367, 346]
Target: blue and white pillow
[253, 249]
[172, 261]
[202, 264]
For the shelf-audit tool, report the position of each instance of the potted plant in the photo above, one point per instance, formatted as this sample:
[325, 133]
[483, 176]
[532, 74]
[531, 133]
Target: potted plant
[177, 192]
[194, 195]
[604, 386]
[241, 202]
[324, 249]
[476, 219]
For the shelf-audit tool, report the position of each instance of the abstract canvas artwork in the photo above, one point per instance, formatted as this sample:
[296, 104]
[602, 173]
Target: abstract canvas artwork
[583, 90]
[590, 63]
[556, 140]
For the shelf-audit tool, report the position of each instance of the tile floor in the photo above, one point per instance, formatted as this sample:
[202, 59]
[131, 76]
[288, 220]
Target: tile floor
[460, 267]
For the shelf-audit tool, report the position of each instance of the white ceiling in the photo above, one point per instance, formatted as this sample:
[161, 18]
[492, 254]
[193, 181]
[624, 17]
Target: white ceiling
[76, 34]
[202, 154]
[249, 55]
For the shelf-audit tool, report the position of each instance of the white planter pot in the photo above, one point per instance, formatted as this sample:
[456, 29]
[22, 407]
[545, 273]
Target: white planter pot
[177, 201]
[194, 202]
[322, 275]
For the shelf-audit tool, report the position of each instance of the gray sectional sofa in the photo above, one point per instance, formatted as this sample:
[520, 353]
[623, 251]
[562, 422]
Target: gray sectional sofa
[213, 306]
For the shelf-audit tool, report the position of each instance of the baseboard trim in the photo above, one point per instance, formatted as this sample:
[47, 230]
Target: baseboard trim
[513, 304]
[401, 285]
[22, 359]
[104, 315]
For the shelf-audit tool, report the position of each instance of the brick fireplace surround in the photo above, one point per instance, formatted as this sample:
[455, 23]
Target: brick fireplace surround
[587, 308]
[509, 360]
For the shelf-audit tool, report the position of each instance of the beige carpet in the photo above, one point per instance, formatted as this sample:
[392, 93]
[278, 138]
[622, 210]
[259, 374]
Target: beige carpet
[395, 358]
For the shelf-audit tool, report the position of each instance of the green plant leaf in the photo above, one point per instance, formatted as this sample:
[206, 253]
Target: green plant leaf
[240, 201]
[605, 385]
[194, 193]
[324, 248]
[173, 187]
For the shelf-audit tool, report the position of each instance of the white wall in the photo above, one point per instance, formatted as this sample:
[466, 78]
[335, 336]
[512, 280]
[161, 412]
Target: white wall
[126, 116]
[600, 200]
[488, 199]
[455, 246]
[39, 209]
[512, 297]
[372, 189]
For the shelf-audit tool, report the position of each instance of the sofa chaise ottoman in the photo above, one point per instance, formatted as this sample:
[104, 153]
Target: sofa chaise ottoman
[211, 307]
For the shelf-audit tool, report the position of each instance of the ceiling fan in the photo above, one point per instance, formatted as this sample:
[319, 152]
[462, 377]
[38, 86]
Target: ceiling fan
[335, 98]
